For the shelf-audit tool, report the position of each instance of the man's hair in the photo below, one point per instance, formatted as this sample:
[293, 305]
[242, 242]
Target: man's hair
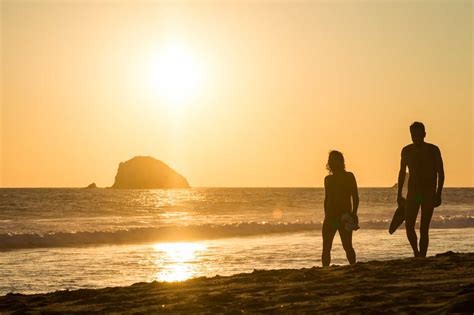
[417, 126]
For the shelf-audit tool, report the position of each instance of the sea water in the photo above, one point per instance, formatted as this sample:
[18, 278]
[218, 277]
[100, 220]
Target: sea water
[53, 239]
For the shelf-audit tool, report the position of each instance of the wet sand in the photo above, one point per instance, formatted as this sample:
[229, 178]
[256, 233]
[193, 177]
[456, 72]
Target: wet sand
[440, 284]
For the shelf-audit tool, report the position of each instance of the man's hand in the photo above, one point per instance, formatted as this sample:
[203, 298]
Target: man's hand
[437, 201]
[401, 201]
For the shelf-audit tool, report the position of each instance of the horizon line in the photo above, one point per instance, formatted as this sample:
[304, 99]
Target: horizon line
[256, 187]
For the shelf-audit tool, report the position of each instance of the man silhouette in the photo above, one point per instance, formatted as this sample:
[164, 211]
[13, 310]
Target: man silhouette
[425, 184]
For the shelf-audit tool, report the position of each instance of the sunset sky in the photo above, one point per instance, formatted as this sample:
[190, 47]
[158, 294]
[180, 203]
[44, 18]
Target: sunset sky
[232, 93]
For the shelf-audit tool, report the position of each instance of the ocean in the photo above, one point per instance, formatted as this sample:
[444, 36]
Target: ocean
[57, 239]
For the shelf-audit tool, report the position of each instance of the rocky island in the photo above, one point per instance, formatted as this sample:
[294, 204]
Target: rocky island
[146, 172]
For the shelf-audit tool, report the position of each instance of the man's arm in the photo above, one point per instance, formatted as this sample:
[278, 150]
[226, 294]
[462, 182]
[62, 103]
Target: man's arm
[401, 177]
[440, 171]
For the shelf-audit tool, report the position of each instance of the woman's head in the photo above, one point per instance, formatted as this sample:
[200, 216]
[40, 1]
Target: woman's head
[335, 162]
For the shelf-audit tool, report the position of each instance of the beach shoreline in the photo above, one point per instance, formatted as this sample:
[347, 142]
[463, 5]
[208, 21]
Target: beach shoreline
[441, 283]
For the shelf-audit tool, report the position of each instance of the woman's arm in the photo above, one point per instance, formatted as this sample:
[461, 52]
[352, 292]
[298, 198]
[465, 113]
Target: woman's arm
[355, 195]
[325, 195]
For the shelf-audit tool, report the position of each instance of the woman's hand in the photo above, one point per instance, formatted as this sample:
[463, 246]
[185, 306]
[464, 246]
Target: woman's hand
[355, 217]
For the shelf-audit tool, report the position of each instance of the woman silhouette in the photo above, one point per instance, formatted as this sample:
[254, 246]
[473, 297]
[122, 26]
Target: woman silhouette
[339, 187]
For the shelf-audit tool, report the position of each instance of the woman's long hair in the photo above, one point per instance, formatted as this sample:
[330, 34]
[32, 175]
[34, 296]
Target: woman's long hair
[335, 162]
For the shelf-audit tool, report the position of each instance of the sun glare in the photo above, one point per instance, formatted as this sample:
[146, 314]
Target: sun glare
[176, 75]
[178, 260]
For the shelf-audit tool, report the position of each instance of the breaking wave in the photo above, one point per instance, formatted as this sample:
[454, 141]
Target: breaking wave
[13, 241]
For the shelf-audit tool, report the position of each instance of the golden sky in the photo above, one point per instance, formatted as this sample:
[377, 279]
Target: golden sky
[232, 93]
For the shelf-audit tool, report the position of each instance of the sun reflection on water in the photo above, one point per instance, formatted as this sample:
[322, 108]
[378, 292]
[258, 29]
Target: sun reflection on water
[177, 261]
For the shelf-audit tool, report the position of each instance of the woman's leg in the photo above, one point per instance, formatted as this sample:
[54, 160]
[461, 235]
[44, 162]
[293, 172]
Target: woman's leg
[346, 240]
[329, 230]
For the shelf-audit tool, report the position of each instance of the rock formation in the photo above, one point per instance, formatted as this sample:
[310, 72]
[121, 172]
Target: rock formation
[146, 172]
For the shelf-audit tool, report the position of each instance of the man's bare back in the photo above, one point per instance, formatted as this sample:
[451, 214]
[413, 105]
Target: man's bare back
[423, 161]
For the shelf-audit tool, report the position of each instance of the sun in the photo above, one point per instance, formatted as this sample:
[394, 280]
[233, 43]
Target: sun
[176, 74]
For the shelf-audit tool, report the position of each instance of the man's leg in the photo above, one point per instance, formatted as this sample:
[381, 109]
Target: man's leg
[346, 240]
[411, 212]
[329, 230]
[426, 214]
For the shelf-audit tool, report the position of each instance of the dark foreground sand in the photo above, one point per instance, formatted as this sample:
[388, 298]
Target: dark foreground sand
[440, 284]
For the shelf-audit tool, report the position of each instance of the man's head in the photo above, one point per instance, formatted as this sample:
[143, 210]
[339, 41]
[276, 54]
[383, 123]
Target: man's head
[417, 130]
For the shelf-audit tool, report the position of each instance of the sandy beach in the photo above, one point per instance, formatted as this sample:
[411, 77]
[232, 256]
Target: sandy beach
[440, 284]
